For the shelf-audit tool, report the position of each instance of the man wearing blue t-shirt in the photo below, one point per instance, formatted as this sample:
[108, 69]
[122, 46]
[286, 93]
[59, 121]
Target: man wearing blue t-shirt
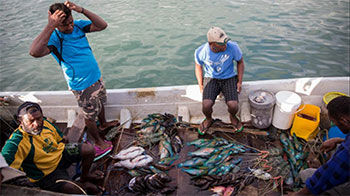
[65, 39]
[217, 58]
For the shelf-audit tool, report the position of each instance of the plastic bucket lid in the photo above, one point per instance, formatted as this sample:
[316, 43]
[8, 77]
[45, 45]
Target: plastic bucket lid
[261, 99]
[331, 95]
[288, 101]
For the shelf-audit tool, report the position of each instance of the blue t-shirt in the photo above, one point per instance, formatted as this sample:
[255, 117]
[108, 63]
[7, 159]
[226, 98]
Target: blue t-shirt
[218, 65]
[335, 172]
[79, 64]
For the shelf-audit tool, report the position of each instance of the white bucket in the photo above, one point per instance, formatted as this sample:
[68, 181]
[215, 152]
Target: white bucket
[286, 104]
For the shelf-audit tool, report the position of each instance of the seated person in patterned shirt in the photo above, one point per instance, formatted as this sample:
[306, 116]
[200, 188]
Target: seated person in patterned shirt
[39, 149]
[333, 177]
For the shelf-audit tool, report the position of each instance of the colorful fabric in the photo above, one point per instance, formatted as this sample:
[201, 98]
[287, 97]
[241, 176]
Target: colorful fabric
[36, 155]
[213, 87]
[60, 173]
[91, 99]
[335, 172]
[218, 65]
[79, 64]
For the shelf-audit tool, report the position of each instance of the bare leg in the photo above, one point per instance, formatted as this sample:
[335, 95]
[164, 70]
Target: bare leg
[207, 109]
[88, 155]
[103, 123]
[93, 131]
[233, 109]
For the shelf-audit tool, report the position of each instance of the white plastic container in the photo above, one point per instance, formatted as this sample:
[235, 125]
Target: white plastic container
[286, 105]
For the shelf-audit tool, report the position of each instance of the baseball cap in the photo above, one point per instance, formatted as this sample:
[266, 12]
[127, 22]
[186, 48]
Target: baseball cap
[22, 109]
[216, 34]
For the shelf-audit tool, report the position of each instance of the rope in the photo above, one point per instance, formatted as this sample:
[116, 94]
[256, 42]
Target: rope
[70, 182]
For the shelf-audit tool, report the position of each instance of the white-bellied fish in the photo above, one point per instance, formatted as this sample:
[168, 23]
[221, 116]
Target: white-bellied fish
[139, 161]
[129, 153]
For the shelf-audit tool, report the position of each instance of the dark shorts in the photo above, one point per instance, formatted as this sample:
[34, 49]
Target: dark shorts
[213, 87]
[91, 99]
[71, 154]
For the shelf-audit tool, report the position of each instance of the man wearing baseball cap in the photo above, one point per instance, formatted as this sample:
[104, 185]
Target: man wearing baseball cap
[217, 58]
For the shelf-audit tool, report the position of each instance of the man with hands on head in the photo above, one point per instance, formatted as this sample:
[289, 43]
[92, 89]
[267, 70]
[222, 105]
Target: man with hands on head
[66, 40]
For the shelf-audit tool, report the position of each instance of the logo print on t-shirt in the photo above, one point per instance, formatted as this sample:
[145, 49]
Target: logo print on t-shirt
[49, 146]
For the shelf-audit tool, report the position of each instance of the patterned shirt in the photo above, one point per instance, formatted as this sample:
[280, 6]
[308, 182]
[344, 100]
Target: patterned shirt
[36, 155]
[335, 172]
[218, 65]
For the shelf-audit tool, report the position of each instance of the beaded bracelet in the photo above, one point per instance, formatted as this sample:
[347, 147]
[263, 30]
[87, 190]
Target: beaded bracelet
[82, 10]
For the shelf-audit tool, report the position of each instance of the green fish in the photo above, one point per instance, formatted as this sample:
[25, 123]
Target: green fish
[297, 144]
[133, 173]
[213, 160]
[203, 152]
[194, 162]
[168, 160]
[195, 172]
[213, 171]
[154, 170]
[198, 142]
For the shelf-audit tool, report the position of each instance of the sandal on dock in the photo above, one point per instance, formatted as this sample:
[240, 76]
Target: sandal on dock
[202, 128]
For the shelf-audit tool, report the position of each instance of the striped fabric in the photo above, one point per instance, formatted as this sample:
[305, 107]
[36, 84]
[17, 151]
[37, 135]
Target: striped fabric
[213, 87]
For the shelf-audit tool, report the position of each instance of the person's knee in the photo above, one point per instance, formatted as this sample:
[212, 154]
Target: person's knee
[90, 122]
[232, 106]
[87, 150]
[207, 104]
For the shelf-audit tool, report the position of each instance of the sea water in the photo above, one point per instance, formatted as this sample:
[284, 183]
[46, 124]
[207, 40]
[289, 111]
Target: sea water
[151, 43]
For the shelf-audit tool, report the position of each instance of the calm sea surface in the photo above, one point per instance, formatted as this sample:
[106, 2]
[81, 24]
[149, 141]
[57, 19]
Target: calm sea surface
[150, 43]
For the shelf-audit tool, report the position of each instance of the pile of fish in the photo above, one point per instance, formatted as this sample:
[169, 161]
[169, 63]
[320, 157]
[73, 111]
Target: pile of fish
[160, 129]
[229, 184]
[296, 155]
[214, 157]
[153, 127]
[132, 157]
[157, 183]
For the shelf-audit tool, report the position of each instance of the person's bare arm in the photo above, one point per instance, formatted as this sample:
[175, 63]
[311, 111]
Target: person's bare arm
[98, 24]
[39, 46]
[199, 76]
[240, 70]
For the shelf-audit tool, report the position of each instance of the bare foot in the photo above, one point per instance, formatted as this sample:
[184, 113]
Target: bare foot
[236, 123]
[93, 176]
[205, 125]
[109, 124]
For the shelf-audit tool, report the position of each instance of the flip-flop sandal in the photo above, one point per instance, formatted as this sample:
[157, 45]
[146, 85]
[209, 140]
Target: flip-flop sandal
[201, 130]
[235, 127]
[100, 153]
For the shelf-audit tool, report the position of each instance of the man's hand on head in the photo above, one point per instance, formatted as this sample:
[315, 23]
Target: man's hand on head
[56, 18]
[73, 6]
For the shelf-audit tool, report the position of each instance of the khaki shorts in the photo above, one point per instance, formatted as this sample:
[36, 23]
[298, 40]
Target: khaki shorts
[91, 99]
